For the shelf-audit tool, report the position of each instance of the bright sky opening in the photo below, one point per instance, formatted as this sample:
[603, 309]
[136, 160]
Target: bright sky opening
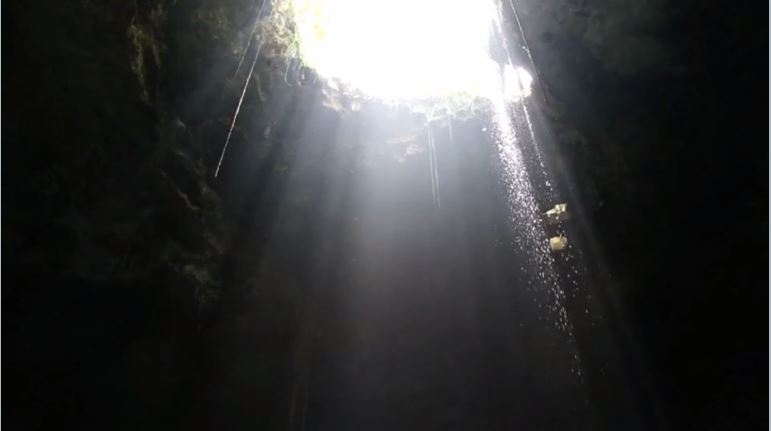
[403, 50]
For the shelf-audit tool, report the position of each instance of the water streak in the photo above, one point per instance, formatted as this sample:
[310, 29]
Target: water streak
[550, 196]
[530, 236]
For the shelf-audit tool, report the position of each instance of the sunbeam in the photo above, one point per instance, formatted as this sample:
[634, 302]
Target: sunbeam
[385, 215]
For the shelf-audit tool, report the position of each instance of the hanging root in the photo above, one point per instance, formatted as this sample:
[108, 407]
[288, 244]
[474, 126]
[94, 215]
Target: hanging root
[432, 164]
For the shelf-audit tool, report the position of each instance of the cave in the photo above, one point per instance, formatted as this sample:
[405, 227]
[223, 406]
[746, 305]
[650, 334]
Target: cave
[405, 215]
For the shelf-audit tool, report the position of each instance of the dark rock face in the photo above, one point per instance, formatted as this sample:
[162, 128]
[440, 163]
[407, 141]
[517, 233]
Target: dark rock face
[139, 292]
[115, 238]
[665, 103]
